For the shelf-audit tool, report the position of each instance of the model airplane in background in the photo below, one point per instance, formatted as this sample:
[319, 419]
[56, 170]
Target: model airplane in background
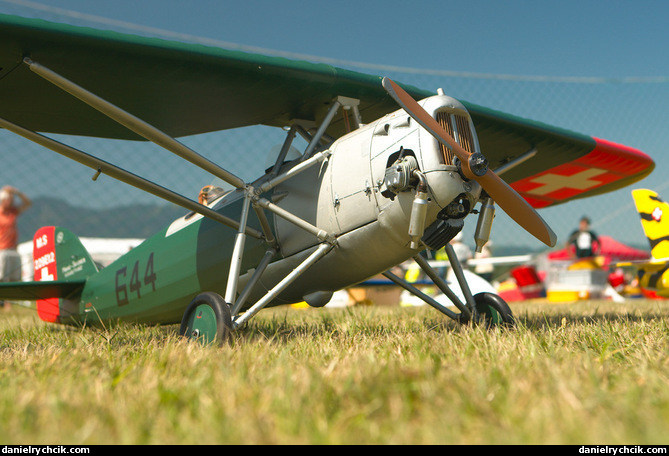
[382, 178]
[654, 212]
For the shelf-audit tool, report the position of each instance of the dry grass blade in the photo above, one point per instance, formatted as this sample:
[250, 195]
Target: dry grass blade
[585, 373]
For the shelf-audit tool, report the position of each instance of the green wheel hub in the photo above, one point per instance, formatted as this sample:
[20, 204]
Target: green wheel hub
[202, 324]
[207, 319]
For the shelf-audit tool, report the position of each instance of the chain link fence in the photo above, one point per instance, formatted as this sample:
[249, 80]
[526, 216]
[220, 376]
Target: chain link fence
[629, 111]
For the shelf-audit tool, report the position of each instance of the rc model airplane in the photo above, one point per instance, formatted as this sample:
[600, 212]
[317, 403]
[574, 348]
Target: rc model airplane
[382, 178]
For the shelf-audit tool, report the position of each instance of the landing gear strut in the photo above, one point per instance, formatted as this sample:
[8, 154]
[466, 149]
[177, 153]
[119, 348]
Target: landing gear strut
[484, 307]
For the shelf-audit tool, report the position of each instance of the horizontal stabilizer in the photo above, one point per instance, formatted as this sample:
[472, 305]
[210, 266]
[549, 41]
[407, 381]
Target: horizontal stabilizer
[33, 291]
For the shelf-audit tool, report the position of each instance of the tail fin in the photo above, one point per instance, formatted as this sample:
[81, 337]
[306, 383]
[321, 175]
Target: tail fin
[654, 214]
[59, 255]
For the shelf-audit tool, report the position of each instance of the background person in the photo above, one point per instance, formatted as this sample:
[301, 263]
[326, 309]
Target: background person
[583, 239]
[10, 261]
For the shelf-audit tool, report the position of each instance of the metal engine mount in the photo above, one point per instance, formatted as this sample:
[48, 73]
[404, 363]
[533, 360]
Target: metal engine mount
[458, 208]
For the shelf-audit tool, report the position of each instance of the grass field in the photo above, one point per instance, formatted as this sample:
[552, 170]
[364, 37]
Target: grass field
[582, 373]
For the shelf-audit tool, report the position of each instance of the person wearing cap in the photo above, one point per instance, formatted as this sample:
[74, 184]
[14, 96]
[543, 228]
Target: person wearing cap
[203, 196]
[10, 261]
[583, 239]
[208, 194]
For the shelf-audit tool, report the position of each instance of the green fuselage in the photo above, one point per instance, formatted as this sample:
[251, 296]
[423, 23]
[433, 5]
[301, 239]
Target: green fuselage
[155, 281]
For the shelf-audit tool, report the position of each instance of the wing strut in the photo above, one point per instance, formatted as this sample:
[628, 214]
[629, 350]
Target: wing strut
[336, 104]
[238, 251]
[124, 176]
[133, 123]
[416, 292]
[516, 161]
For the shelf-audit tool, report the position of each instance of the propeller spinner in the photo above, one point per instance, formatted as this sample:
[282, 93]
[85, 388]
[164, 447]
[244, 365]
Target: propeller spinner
[474, 166]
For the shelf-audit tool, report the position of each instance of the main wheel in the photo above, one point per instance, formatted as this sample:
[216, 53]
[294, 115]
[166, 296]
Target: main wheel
[207, 319]
[493, 310]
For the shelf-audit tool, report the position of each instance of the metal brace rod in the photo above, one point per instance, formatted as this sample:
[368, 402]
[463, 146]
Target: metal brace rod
[441, 284]
[457, 269]
[238, 251]
[283, 284]
[295, 170]
[133, 123]
[264, 224]
[244, 295]
[516, 161]
[319, 233]
[122, 175]
[357, 119]
[303, 132]
[284, 150]
[351, 104]
[415, 291]
[321, 129]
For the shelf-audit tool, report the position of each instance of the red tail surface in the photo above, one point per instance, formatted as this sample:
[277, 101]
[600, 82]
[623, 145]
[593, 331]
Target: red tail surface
[58, 255]
[44, 261]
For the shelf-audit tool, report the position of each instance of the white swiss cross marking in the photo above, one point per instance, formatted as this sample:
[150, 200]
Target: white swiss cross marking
[579, 181]
[657, 214]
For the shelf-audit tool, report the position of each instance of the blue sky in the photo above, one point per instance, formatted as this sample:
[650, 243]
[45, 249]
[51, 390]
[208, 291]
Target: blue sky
[530, 37]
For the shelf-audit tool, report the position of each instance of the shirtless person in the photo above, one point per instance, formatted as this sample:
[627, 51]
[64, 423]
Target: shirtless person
[10, 261]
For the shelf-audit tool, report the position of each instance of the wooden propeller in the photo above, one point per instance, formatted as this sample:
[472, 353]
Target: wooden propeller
[475, 167]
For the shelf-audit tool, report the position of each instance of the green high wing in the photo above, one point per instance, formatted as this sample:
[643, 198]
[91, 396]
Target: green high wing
[185, 89]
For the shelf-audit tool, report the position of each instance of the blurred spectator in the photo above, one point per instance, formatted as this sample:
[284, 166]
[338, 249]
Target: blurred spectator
[583, 239]
[10, 261]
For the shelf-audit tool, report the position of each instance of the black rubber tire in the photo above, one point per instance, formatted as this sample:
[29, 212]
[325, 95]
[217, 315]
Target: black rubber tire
[207, 319]
[493, 310]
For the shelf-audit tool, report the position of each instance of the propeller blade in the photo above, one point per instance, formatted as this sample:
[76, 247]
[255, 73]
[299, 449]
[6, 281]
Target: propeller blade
[517, 208]
[506, 197]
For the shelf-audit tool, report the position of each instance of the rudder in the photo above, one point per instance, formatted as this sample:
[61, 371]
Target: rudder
[654, 213]
[59, 255]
